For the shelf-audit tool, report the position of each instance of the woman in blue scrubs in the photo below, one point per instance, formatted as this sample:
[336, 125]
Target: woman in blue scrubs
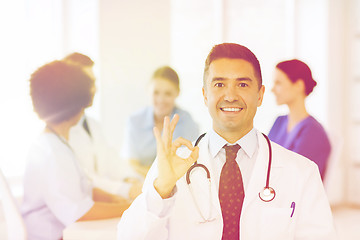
[298, 131]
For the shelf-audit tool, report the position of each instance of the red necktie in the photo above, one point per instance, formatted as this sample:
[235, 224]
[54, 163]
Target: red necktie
[231, 194]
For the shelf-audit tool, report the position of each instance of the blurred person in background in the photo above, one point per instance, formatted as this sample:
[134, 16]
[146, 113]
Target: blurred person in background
[57, 192]
[100, 161]
[298, 131]
[139, 141]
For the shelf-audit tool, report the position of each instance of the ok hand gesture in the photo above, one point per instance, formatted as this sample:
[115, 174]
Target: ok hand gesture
[171, 167]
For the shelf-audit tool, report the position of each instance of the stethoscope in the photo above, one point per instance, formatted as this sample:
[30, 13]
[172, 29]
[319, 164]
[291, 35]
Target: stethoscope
[266, 195]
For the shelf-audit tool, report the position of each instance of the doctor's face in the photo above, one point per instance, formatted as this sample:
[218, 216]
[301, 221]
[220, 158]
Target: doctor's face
[232, 95]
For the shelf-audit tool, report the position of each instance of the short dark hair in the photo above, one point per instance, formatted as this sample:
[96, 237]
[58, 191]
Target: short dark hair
[233, 51]
[168, 73]
[60, 90]
[296, 70]
[79, 58]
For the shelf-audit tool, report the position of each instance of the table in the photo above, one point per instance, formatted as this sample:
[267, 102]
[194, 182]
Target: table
[92, 230]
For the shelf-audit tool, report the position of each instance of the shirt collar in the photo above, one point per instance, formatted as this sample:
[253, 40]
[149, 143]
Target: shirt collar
[248, 143]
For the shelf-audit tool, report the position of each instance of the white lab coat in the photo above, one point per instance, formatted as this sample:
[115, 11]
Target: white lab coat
[56, 190]
[98, 159]
[294, 178]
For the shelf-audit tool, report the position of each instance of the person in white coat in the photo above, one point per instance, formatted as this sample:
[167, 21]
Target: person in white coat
[57, 192]
[171, 208]
[98, 159]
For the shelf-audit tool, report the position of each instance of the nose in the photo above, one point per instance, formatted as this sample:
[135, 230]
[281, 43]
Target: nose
[231, 94]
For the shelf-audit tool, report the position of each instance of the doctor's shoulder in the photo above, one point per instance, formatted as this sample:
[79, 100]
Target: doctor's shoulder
[45, 145]
[43, 154]
[292, 161]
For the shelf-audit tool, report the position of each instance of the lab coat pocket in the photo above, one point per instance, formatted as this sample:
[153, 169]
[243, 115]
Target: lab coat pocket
[275, 223]
[211, 230]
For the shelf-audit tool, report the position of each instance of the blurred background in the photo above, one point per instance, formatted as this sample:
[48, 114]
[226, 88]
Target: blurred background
[128, 40]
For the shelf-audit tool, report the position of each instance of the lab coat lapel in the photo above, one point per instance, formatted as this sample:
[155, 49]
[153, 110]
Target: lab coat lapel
[206, 159]
[258, 177]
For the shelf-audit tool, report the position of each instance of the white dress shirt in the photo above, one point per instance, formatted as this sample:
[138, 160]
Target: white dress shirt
[245, 158]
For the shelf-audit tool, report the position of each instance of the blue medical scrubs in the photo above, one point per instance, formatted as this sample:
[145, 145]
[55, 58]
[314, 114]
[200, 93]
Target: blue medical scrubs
[140, 143]
[308, 138]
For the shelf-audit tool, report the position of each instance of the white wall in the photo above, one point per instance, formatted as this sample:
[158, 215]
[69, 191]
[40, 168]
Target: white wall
[352, 100]
[311, 46]
[192, 36]
[336, 94]
[81, 34]
[265, 27]
[134, 39]
[30, 37]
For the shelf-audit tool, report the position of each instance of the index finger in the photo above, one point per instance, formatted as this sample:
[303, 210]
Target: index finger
[157, 134]
[173, 123]
[159, 143]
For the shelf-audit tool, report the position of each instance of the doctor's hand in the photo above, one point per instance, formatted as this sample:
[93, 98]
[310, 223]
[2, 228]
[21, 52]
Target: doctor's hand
[171, 167]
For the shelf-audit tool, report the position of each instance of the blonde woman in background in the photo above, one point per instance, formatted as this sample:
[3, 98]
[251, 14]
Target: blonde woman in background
[139, 143]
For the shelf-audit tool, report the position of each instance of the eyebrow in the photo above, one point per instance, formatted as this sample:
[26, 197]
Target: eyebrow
[237, 79]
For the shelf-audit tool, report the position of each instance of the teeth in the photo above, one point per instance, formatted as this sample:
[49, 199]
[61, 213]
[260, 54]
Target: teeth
[231, 109]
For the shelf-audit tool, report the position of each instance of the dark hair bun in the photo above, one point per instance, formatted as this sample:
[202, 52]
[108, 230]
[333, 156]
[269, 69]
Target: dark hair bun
[296, 70]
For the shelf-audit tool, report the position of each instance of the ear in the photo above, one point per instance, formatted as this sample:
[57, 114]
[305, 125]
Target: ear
[261, 95]
[204, 95]
[300, 85]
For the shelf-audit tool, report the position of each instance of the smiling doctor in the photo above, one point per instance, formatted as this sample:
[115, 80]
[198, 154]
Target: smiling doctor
[223, 196]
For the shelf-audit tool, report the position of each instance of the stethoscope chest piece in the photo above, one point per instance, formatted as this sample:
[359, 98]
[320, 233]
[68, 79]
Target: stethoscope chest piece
[267, 194]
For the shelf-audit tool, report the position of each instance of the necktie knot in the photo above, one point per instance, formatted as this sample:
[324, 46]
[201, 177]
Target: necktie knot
[231, 151]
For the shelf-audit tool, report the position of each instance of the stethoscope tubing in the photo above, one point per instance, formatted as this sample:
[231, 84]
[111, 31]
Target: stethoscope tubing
[267, 186]
[270, 160]
[197, 164]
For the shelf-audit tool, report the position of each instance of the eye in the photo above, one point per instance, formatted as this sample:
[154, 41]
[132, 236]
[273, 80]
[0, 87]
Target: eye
[219, 84]
[243, 85]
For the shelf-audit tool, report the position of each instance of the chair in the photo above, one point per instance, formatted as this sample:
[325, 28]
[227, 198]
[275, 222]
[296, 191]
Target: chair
[14, 222]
